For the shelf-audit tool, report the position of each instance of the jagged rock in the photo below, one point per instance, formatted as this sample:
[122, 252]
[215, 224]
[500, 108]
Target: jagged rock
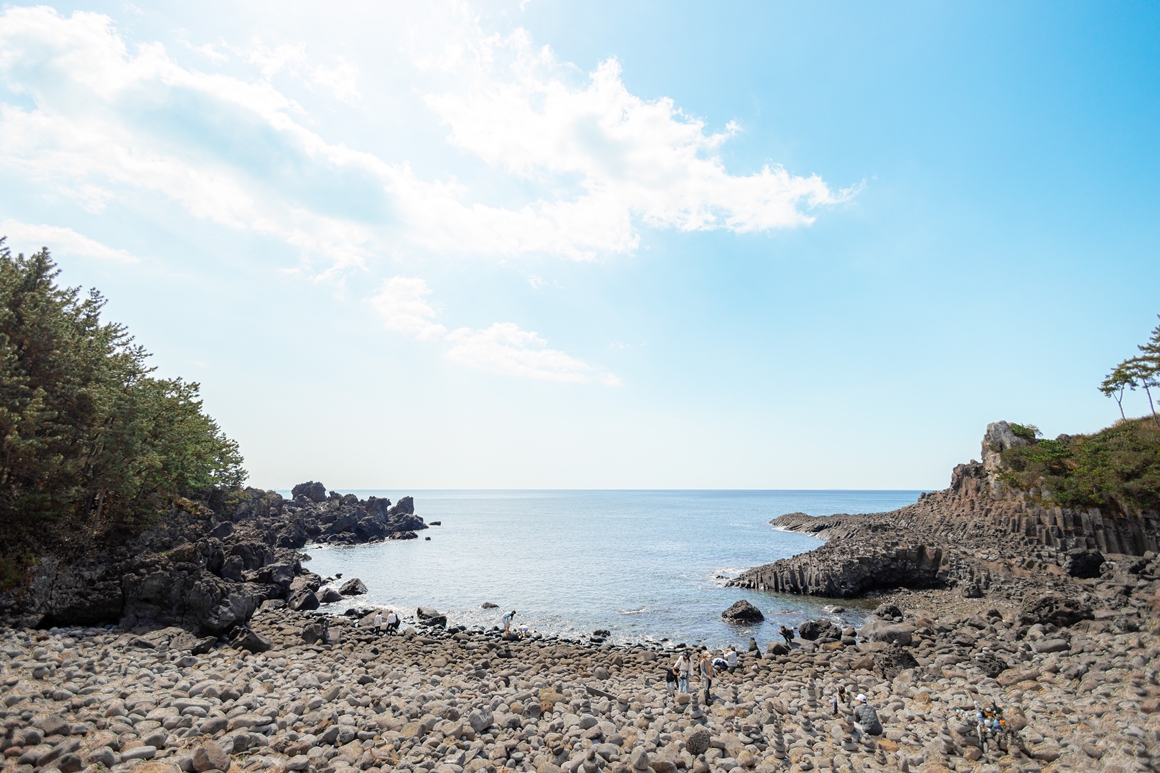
[315, 492]
[245, 639]
[431, 617]
[998, 438]
[1054, 608]
[328, 596]
[302, 600]
[743, 613]
[353, 587]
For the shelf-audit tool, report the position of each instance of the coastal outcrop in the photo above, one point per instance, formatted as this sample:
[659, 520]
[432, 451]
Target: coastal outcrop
[979, 536]
[207, 567]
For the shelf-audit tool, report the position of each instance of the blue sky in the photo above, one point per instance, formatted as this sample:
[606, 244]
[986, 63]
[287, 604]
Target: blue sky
[602, 245]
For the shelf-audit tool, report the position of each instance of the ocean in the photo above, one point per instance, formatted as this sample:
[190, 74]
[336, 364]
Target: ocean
[648, 566]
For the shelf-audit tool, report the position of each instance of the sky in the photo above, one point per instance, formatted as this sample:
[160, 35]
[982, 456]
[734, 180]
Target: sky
[602, 245]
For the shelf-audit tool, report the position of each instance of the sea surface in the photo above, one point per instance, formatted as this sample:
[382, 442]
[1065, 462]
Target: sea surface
[644, 565]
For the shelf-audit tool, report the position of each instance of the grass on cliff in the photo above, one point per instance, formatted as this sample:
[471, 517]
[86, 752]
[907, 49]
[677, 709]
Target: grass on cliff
[1116, 468]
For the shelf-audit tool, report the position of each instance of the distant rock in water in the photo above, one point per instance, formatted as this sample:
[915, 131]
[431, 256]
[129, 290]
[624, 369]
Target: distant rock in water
[742, 613]
[488, 605]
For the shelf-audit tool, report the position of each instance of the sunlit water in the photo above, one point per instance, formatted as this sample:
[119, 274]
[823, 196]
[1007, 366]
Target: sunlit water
[645, 565]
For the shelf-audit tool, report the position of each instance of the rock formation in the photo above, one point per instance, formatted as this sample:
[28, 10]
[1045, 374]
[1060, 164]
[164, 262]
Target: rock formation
[978, 535]
[207, 569]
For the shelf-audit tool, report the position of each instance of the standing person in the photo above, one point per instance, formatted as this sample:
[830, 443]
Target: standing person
[507, 621]
[706, 676]
[378, 620]
[671, 680]
[865, 717]
[392, 622]
[684, 668]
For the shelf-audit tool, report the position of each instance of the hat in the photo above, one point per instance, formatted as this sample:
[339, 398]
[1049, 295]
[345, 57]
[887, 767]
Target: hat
[861, 698]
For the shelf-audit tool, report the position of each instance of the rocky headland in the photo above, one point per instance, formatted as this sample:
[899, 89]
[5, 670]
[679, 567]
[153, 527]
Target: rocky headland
[205, 566]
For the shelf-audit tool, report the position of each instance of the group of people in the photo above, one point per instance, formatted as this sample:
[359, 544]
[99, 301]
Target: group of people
[678, 676]
[392, 622]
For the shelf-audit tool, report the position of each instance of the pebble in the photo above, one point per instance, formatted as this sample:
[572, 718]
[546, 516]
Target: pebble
[469, 702]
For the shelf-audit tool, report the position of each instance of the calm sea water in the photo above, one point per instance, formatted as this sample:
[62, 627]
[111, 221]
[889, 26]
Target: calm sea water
[646, 565]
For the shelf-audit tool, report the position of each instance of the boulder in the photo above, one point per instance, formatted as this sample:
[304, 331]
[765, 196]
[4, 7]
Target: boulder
[742, 613]
[892, 662]
[1083, 564]
[312, 632]
[431, 617]
[302, 600]
[998, 438]
[353, 587]
[329, 596]
[698, 742]
[245, 639]
[821, 631]
[887, 611]
[892, 633]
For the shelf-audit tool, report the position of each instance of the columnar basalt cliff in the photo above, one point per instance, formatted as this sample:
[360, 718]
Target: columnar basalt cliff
[979, 535]
[206, 567]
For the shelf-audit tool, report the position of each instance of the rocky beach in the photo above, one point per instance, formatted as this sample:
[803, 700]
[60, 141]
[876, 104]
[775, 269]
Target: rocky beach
[204, 645]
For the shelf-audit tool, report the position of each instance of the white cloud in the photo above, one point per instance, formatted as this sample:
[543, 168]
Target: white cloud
[599, 162]
[503, 348]
[515, 107]
[402, 304]
[30, 238]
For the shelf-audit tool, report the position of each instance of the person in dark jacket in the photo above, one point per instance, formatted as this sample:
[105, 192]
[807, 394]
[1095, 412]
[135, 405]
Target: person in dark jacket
[865, 718]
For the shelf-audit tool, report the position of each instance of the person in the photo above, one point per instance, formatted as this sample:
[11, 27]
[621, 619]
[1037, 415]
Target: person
[731, 659]
[706, 676]
[839, 698]
[683, 667]
[671, 680]
[865, 717]
[787, 634]
[507, 621]
[525, 630]
[378, 620]
[719, 663]
[392, 622]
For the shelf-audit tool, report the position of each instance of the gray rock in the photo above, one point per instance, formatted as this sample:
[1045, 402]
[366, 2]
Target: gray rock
[302, 600]
[210, 756]
[329, 596]
[315, 492]
[698, 742]
[742, 613]
[353, 587]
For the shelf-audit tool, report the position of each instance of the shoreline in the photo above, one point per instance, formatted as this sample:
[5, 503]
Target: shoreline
[453, 702]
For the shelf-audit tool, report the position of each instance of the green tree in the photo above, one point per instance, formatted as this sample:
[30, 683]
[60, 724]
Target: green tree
[91, 443]
[1142, 372]
[1114, 385]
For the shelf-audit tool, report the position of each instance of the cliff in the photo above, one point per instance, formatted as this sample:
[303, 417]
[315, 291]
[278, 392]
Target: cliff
[980, 535]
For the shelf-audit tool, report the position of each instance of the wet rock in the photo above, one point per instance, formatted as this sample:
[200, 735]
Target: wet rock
[353, 587]
[743, 613]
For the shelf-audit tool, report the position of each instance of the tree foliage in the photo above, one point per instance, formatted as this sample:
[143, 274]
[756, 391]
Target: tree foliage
[1141, 372]
[91, 444]
[1116, 468]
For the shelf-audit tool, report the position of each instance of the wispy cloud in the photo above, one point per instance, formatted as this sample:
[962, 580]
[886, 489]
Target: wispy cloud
[504, 348]
[402, 304]
[29, 237]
